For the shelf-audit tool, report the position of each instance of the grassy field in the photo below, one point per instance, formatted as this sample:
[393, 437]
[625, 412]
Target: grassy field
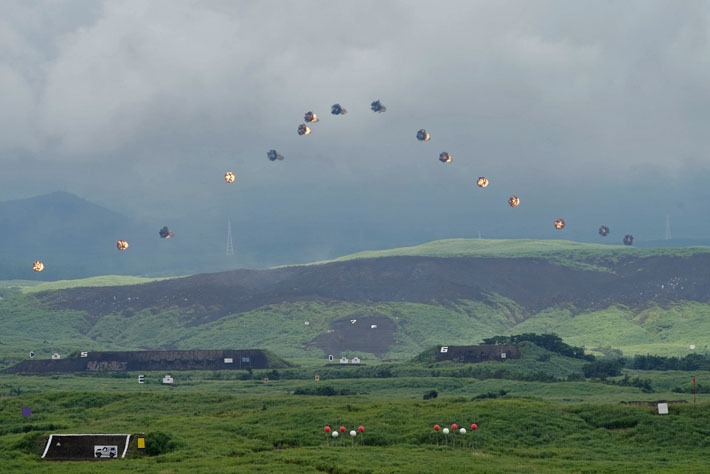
[249, 426]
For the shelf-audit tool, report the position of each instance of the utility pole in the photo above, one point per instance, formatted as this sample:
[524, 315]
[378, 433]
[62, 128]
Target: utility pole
[230, 243]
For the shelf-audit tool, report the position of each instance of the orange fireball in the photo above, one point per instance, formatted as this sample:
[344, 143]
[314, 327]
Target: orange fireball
[122, 245]
[482, 182]
[229, 177]
[38, 266]
[423, 136]
[303, 129]
[445, 157]
[603, 231]
[514, 201]
[310, 117]
[559, 224]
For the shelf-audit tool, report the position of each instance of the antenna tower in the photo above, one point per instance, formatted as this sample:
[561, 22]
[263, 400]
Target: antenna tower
[230, 243]
[668, 227]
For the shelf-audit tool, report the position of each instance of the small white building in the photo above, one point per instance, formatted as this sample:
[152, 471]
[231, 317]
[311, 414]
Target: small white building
[343, 360]
[167, 379]
[356, 360]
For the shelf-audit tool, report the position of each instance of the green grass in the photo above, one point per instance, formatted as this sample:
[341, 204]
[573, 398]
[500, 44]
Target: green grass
[26, 325]
[562, 252]
[276, 432]
[104, 280]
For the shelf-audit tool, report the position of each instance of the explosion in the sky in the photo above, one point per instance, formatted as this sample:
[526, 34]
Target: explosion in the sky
[274, 155]
[38, 266]
[482, 182]
[122, 245]
[165, 232]
[603, 231]
[423, 136]
[628, 239]
[338, 109]
[559, 224]
[310, 117]
[303, 129]
[514, 201]
[229, 177]
[377, 106]
[445, 157]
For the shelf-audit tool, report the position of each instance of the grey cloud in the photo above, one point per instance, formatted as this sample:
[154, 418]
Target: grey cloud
[179, 91]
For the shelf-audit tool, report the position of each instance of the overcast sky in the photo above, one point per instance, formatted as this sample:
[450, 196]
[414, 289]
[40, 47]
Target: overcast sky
[594, 111]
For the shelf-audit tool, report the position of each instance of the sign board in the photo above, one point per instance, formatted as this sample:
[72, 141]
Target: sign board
[32, 354]
[167, 379]
[141, 378]
[444, 349]
[228, 360]
[356, 360]
[373, 326]
[331, 357]
[317, 378]
[307, 323]
[692, 347]
[56, 356]
[101, 451]
[662, 408]
[343, 360]
[141, 443]
[26, 411]
[245, 359]
[502, 355]
[353, 321]
[84, 354]
[266, 380]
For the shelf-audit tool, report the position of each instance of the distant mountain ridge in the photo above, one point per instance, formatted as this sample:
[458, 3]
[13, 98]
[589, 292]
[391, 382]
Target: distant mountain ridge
[76, 238]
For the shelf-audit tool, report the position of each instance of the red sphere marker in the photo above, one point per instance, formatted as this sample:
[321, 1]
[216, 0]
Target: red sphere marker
[454, 426]
[437, 427]
[342, 429]
[474, 426]
[361, 429]
[327, 429]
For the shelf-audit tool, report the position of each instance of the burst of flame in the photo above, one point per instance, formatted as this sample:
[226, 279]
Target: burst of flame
[445, 157]
[229, 177]
[165, 232]
[338, 109]
[310, 117]
[274, 155]
[122, 245]
[38, 266]
[603, 231]
[482, 182]
[423, 136]
[514, 201]
[559, 224]
[303, 129]
[628, 239]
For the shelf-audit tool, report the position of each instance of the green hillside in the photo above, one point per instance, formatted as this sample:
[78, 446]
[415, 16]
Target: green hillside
[404, 328]
[559, 251]
[26, 325]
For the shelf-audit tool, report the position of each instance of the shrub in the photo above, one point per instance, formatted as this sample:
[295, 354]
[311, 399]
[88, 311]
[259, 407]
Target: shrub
[430, 394]
[157, 443]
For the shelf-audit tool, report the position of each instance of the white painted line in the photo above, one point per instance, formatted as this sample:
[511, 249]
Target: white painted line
[128, 439]
[46, 448]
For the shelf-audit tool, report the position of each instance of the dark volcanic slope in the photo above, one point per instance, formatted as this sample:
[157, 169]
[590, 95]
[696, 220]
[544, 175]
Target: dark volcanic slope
[533, 284]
